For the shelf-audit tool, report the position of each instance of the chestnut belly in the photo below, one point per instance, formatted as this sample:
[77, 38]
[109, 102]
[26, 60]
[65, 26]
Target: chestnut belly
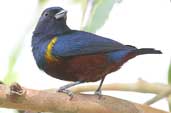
[88, 68]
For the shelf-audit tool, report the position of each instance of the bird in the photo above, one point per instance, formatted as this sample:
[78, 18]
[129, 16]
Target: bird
[77, 56]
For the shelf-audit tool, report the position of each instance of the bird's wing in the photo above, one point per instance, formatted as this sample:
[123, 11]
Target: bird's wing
[83, 43]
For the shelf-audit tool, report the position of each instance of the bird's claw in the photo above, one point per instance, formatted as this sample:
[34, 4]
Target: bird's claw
[68, 92]
[98, 93]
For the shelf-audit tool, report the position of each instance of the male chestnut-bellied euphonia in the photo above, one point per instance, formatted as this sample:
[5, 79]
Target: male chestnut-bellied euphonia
[74, 55]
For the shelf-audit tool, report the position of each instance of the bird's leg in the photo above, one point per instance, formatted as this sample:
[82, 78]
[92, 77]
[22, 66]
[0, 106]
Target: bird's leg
[63, 89]
[98, 91]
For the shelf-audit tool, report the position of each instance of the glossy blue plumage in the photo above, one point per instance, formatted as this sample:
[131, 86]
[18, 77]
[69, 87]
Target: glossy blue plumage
[39, 49]
[118, 55]
[83, 43]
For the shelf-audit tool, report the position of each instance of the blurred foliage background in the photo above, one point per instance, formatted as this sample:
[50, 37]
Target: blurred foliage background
[93, 17]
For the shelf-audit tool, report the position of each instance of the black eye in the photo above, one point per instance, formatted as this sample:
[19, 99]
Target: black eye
[46, 14]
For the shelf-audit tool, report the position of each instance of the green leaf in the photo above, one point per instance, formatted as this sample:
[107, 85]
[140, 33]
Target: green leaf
[169, 74]
[11, 76]
[99, 14]
[42, 2]
[169, 102]
[169, 82]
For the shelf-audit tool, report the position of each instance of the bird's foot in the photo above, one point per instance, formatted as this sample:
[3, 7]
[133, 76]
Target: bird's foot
[98, 93]
[63, 89]
[68, 92]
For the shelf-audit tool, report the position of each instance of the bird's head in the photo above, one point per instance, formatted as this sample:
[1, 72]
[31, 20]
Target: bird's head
[52, 21]
[56, 13]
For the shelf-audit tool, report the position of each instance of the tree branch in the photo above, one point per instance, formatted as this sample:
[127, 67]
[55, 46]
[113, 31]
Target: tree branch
[158, 97]
[140, 86]
[162, 90]
[17, 97]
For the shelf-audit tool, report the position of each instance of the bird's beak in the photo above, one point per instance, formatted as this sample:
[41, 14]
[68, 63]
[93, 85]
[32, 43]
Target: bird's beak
[61, 14]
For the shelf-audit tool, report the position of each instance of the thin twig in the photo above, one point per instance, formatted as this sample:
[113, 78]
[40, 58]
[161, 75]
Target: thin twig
[159, 97]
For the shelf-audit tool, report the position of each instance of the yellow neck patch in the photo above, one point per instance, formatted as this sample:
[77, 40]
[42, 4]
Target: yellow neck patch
[48, 54]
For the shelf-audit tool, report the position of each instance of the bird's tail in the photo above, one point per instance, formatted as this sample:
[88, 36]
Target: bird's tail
[146, 51]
